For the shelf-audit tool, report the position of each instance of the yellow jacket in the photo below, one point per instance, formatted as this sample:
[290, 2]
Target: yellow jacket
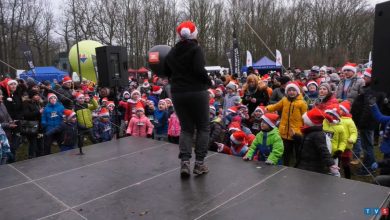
[337, 134]
[350, 131]
[291, 119]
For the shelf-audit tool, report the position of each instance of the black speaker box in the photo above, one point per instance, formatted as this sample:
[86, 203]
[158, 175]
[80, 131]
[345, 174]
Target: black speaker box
[112, 66]
[381, 50]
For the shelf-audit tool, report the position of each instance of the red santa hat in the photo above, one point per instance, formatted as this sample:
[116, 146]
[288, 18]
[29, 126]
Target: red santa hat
[367, 72]
[238, 137]
[293, 85]
[126, 93]
[233, 109]
[110, 103]
[266, 77]
[168, 101]
[349, 66]
[146, 83]
[104, 99]
[345, 106]
[187, 30]
[104, 112]
[10, 81]
[211, 92]
[314, 117]
[69, 113]
[334, 112]
[235, 126]
[271, 119]
[51, 95]
[66, 79]
[260, 108]
[135, 92]
[213, 110]
[162, 101]
[156, 90]
[139, 107]
[219, 89]
[79, 95]
[312, 82]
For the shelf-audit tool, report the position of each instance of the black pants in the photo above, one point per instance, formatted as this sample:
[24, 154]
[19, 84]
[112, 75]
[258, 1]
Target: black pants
[85, 132]
[48, 141]
[192, 108]
[290, 152]
[35, 145]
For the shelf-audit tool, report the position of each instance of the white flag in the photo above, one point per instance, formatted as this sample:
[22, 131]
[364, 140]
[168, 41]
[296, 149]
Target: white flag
[248, 58]
[369, 60]
[279, 61]
[75, 77]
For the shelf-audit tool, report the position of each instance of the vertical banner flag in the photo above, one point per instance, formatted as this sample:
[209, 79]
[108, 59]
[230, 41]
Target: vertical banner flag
[279, 61]
[28, 55]
[235, 55]
[248, 59]
[369, 60]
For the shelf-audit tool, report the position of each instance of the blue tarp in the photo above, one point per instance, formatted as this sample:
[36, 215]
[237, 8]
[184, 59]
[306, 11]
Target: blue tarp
[43, 73]
[264, 63]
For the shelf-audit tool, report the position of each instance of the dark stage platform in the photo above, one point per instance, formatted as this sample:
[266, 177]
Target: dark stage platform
[135, 178]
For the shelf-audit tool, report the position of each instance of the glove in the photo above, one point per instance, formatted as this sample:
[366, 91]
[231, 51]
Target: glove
[371, 100]
[374, 166]
[337, 154]
[269, 162]
[334, 170]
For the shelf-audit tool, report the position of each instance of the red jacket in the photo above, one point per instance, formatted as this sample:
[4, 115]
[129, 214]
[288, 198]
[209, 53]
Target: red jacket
[140, 127]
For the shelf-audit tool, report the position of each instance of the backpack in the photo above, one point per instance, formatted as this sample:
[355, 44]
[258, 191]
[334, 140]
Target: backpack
[174, 126]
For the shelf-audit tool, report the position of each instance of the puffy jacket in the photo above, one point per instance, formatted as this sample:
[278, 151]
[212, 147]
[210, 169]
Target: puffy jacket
[313, 154]
[52, 116]
[277, 95]
[69, 133]
[161, 122]
[353, 90]
[5, 118]
[217, 133]
[291, 119]
[261, 97]
[269, 146]
[324, 103]
[350, 131]
[383, 119]
[174, 125]
[140, 127]
[84, 113]
[65, 97]
[337, 135]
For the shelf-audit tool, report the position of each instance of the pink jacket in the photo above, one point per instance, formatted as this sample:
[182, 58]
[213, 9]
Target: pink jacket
[139, 127]
[174, 126]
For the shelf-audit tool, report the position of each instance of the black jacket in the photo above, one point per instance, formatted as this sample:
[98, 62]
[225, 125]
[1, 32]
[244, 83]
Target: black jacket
[313, 154]
[185, 67]
[361, 111]
[261, 97]
[65, 96]
[13, 102]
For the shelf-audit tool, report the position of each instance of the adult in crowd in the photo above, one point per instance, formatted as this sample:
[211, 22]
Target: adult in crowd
[255, 94]
[65, 93]
[185, 66]
[279, 93]
[351, 86]
[325, 97]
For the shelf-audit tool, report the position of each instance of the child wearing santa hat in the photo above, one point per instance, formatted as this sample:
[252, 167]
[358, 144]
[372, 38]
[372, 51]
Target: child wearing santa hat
[255, 120]
[140, 125]
[351, 134]
[238, 145]
[155, 94]
[268, 144]
[217, 130]
[311, 95]
[84, 117]
[104, 131]
[335, 131]
[292, 107]
[161, 121]
[314, 154]
[68, 130]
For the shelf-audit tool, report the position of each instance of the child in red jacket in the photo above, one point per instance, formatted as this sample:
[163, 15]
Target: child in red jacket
[140, 125]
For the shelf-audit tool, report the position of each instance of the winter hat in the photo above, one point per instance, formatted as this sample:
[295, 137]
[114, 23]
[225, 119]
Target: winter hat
[139, 107]
[162, 101]
[66, 79]
[110, 103]
[334, 112]
[168, 101]
[238, 137]
[349, 66]
[315, 69]
[346, 107]
[79, 95]
[126, 93]
[32, 93]
[314, 117]
[211, 92]
[213, 111]
[51, 95]
[135, 92]
[219, 90]
[271, 119]
[283, 79]
[367, 72]
[156, 90]
[10, 81]
[327, 86]
[69, 113]
[266, 77]
[294, 86]
[312, 82]
[104, 99]
[233, 109]
[323, 68]
[334, 77]
[146, 84]
[261, 109]
[104, 113]
[236, 99]
[231, 86]
[187, 30]
[235, 126]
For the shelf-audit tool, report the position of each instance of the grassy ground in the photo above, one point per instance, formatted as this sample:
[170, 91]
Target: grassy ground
[22, 154]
